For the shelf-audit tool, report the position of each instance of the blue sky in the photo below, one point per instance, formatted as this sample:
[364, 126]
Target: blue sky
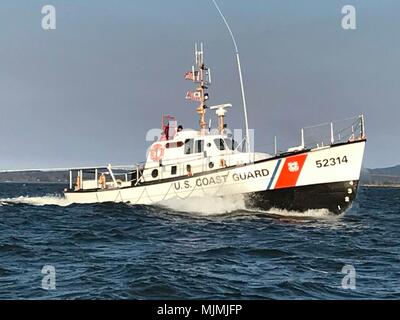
[87, 92]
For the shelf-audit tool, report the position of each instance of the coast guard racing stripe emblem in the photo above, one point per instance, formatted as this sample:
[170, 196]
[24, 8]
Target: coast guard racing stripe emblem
[290, 171]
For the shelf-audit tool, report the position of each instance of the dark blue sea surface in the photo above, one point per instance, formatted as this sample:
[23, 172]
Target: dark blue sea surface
[121, 251]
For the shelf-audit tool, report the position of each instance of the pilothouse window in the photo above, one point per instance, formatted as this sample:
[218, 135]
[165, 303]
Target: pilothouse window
[220, 144]
[174, 144]
[189, 146]
[199, 146]
[230, 144]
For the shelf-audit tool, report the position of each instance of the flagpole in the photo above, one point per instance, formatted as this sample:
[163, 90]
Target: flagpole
[240, 76]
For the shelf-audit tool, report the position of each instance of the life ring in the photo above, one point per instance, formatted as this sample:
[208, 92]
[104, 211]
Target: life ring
[222, 163]
[157, 152]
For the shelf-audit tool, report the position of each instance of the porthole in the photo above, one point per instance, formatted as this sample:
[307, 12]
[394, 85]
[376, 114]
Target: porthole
[211, 165]
[154, 173]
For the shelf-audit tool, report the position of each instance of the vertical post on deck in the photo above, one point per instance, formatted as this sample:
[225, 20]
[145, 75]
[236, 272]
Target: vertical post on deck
[362, 126]
[70, 179]
[112, 174]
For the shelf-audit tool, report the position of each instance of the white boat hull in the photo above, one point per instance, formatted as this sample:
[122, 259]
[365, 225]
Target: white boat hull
[313, 179]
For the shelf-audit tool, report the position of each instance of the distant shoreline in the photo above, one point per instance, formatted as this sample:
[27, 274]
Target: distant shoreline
[34, 182]
[380, 185]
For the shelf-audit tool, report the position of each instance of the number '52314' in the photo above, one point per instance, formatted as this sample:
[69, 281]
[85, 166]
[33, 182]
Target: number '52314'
[331, 162]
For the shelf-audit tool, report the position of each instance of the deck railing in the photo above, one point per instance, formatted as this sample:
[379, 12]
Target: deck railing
[329, 133]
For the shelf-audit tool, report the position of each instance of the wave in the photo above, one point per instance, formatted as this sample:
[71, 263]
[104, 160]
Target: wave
[56, 200]
[311, 213]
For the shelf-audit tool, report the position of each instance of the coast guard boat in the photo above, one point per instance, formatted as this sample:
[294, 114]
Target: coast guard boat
[183, 164]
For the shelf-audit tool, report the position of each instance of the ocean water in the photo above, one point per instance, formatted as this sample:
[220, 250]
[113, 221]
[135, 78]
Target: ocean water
[208, 249]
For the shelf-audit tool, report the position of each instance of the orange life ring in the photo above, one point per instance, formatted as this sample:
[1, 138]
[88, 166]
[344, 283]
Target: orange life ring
[222, 163]
[157, 152]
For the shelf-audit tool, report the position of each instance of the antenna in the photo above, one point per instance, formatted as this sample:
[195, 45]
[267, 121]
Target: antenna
[240, 76]
[200, 74]
[195, 53]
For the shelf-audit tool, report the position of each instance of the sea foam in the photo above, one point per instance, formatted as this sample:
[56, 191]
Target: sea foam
[207, 205]
[37, 201]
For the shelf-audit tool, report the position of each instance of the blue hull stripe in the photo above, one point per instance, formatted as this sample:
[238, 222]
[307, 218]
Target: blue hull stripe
[273, 174]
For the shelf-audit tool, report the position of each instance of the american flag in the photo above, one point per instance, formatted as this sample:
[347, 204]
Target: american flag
[189, 75]
[192, 76]
[194, 96]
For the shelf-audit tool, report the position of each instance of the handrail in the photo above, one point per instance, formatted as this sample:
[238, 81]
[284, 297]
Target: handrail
[356, 118]
[353, 130]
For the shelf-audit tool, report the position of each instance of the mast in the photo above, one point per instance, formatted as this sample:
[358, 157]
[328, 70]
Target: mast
[200, 75]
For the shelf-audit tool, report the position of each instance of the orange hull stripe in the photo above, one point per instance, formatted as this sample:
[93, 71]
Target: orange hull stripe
[291, 171]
